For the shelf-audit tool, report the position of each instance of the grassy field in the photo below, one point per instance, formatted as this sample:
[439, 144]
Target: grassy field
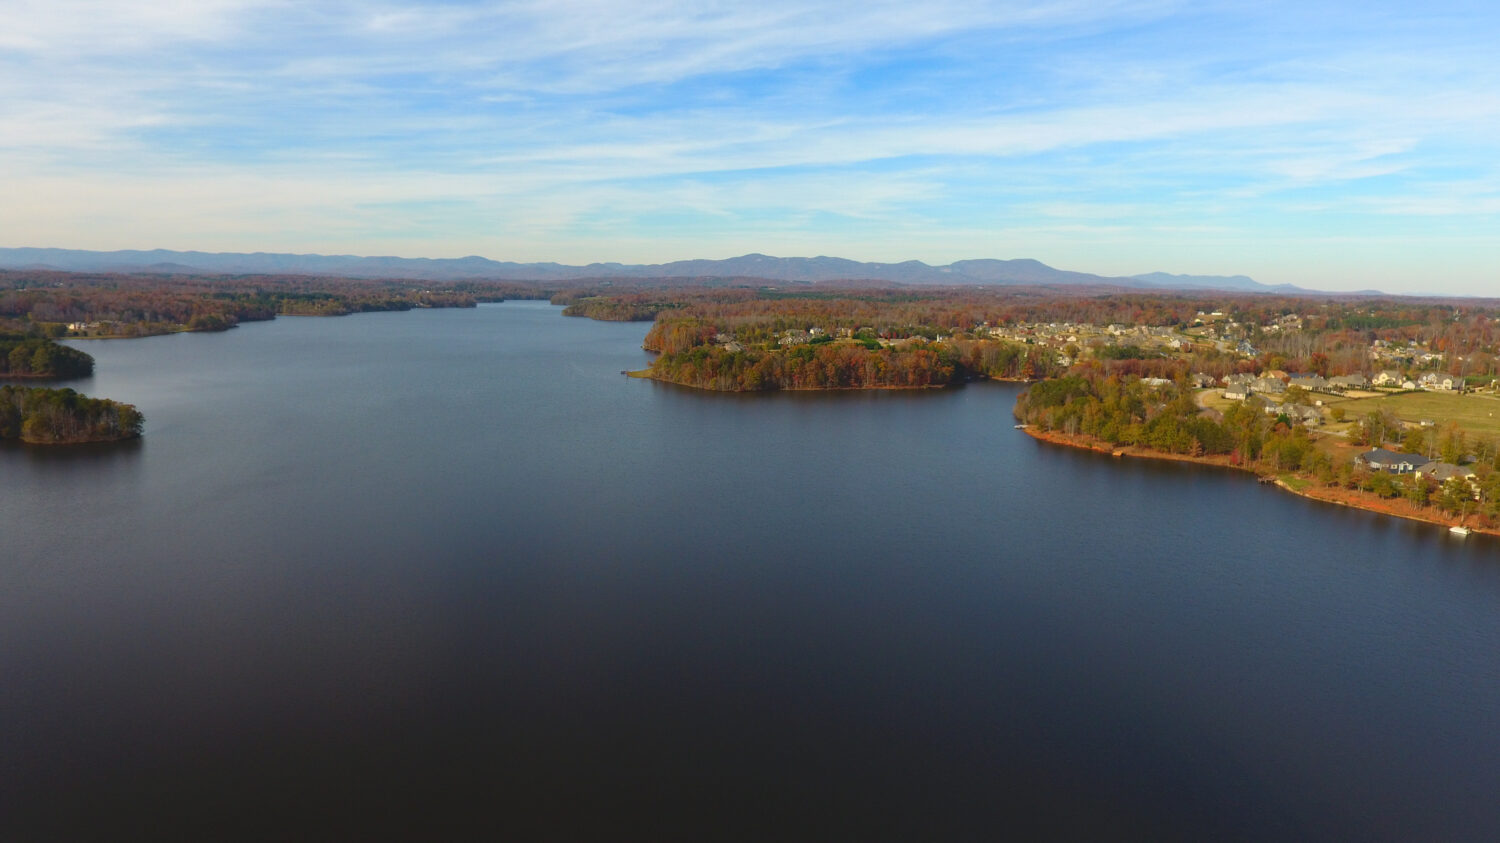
[1214, 399]
[1475, 413]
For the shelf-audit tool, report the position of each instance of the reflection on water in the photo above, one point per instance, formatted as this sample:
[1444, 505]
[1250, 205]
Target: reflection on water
[444, 571]
[94, 453]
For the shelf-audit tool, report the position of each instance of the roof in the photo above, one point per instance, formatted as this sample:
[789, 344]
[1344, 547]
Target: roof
[1381, 456]
[1445, 470]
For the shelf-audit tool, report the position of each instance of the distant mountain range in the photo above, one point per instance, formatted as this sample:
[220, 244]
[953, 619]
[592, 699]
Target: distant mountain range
[988, 271]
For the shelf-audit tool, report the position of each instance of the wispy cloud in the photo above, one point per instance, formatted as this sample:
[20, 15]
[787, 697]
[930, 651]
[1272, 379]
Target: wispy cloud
[72, 28]
[459, 127]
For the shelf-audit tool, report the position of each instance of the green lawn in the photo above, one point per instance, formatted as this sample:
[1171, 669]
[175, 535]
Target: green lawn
[1474, 413]
[1295, 483]
[1214, 399]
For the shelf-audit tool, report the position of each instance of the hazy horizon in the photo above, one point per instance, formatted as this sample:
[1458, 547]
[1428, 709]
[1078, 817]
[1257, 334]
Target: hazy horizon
[1332, 146]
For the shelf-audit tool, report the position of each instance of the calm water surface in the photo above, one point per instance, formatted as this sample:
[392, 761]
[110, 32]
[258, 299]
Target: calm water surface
[447, 572]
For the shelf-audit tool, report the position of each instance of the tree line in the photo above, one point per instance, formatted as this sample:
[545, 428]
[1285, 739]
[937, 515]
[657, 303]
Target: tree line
[824, 365]
[130, 305]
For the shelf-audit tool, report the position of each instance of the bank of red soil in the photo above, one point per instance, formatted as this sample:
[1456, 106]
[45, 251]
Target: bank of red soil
[1398, 507]
[648, 374]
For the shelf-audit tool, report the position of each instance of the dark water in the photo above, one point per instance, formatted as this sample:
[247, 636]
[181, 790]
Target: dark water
[447, 573]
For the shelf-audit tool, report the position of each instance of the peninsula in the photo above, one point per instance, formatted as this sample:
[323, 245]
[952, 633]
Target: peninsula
[42, 416]
[1298, 390]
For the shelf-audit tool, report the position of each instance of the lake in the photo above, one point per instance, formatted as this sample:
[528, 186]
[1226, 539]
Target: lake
[447, 572]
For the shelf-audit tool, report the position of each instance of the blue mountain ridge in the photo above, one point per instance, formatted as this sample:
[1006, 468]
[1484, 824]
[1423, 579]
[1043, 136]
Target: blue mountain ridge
[1023, 271]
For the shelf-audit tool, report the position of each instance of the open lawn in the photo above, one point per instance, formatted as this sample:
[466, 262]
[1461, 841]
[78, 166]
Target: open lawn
[1213, 398]
[1475, 413]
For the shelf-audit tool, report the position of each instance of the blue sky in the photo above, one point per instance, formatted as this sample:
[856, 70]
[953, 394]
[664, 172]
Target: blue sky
[1330, 145]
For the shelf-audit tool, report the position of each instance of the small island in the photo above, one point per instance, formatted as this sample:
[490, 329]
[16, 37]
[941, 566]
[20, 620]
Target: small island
[41, 416]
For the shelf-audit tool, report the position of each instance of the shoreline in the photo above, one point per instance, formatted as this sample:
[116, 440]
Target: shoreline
[1353, 498]
[48, 443]
[645, 374]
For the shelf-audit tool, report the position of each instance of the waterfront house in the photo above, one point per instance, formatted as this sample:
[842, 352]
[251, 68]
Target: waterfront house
[1444, 471]
[1381, 459]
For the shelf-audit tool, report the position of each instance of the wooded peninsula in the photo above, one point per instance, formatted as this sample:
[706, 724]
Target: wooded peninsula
[42, 416]
[1306, 391]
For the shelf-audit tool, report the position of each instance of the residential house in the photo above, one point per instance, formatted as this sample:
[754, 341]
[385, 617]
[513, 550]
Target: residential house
[1355, 381]
[1444, 471]
[1312, 382]
[1381, 459]
[1302, 414]
[1439, 382]
[1389, 377]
